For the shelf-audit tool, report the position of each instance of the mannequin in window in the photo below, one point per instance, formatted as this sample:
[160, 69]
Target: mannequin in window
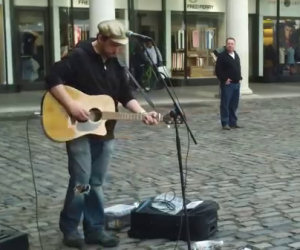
[30, 66]
[287, 45]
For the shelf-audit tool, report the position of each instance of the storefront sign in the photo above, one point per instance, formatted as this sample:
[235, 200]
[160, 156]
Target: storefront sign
[199, 6]
[205, 5]
[81, 3]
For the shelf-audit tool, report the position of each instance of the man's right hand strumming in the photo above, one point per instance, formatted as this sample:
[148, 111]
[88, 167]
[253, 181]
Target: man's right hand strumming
[73, 107]
[76, 111]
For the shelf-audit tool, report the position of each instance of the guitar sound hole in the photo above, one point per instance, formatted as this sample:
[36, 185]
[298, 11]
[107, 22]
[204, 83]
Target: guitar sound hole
[95, 115]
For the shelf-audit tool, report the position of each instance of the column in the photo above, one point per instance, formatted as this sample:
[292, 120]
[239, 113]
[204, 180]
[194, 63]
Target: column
[100, 10]
[56, 36]
[237, 26]
[168, 35]
[8, 40]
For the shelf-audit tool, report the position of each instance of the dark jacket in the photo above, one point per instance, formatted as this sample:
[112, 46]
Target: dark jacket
[227, 67]
[84, 70]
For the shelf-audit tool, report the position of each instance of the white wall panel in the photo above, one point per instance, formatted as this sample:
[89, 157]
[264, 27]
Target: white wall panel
[121, 4]
[40, 3]
[148, 5]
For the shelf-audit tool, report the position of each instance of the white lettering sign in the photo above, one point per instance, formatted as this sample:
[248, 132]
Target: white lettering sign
[199, 7]
[206, 5]
[81, 3]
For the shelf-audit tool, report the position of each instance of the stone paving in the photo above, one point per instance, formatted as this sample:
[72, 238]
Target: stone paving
[253, 173]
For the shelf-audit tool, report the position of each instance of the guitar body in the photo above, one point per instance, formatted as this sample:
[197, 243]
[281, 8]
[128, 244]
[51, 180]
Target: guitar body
[59, 126]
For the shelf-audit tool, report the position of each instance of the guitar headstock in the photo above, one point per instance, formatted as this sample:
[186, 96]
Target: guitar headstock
[168, 119]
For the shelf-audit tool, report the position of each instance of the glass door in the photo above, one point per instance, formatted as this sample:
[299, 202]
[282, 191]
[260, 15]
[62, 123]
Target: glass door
[32, 45]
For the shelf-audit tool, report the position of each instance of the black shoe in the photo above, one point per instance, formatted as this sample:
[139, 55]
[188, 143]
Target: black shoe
[102, 238]
[235, 126]
[226, 127]
[74, 241]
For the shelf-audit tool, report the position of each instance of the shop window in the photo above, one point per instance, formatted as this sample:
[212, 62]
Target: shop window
[203, 34]
[74, 26]
[73, 31]
[148, 23]
[81, 25]
[288, 47]
[32, 44]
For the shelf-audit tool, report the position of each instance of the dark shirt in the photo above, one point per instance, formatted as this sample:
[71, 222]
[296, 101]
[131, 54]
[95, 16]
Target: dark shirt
[85, 70]
[227, 67]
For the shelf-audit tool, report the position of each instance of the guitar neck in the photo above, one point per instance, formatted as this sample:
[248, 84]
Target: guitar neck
[122, 116]
[126, 116]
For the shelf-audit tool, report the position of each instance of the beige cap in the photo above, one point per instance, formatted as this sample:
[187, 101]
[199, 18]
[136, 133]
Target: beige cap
[114, 30]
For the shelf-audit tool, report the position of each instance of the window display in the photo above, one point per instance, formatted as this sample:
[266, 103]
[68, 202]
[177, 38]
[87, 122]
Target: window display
[31, 44]
[288, 49]
[71, 35]
[202, 36]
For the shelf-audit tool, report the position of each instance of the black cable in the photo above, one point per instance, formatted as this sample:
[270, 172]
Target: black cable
[33, 181]
[167, 202]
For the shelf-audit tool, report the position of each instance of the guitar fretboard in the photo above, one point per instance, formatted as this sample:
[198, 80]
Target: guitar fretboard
[121, 116]
[125, 116]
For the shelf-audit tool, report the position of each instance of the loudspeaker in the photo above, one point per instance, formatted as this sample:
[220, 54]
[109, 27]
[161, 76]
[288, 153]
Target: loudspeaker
[13, 240]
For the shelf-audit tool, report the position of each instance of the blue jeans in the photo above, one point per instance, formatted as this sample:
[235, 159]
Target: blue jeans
[230, 96]
[88, 160]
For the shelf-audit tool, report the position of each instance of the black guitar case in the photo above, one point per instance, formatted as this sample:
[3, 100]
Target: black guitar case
[150, 223]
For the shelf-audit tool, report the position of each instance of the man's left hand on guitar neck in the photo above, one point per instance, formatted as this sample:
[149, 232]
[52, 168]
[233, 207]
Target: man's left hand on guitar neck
[150, 118]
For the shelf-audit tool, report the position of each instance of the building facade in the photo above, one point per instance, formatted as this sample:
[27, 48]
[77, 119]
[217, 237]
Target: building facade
[36, 33]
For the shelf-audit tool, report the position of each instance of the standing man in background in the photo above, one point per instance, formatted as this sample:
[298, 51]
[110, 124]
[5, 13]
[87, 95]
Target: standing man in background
[228, 71]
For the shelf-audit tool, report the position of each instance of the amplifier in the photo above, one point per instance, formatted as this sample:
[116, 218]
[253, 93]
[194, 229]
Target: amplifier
[13, 240]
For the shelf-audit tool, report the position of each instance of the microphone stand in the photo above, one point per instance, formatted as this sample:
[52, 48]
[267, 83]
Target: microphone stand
[175, 113]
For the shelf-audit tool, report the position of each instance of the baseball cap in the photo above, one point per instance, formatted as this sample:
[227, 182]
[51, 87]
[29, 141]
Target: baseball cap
[114, 30]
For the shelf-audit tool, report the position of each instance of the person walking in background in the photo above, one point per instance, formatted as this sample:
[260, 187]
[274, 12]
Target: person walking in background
[94, 69]
[152, 57]
[154, 53]
[228, 71]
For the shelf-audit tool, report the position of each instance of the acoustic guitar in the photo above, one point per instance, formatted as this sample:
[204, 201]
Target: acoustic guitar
[59, 126]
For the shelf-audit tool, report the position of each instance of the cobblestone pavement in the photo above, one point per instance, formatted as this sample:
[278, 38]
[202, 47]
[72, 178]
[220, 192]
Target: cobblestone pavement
[253, 173]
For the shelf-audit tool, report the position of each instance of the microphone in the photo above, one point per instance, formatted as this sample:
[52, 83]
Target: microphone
[139, 36]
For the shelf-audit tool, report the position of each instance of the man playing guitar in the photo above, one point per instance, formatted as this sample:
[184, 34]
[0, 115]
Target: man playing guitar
[92, 68]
